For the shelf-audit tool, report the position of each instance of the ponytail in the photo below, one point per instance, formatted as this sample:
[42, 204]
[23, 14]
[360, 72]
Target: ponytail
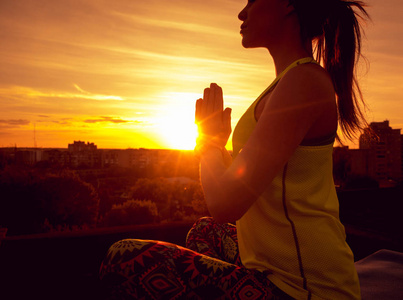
[336, 32]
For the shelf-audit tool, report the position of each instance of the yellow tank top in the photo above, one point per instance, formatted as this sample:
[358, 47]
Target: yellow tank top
[293, 230]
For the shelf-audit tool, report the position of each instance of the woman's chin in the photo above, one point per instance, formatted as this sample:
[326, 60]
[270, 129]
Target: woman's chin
[247, 44]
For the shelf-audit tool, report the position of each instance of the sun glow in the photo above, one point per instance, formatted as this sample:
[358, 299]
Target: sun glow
[177, 124]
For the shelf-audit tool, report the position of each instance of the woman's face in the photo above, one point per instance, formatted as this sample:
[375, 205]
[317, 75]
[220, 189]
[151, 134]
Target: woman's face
[262, 22]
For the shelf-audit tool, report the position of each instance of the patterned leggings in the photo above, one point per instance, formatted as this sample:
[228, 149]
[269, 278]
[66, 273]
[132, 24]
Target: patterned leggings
[209, 268]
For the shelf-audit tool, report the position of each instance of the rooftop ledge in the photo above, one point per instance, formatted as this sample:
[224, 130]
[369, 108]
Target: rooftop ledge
[64, 265]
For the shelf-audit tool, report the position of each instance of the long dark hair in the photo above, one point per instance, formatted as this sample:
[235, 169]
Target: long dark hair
[334, 28]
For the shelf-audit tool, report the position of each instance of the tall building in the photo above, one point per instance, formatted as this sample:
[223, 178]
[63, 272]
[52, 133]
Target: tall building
[84, 155]
[384, 146]
[78, 146]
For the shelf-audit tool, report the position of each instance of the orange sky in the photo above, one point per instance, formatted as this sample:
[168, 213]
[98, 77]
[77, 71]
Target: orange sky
[126, 73]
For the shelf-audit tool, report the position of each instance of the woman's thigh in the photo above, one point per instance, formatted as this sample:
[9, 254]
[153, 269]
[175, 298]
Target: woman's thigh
[139, 269]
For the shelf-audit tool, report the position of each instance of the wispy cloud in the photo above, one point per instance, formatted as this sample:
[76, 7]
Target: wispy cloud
[87, 95]
[14, 122]
[30, 92]
[104, 119]
[192, 27]
[61, 122]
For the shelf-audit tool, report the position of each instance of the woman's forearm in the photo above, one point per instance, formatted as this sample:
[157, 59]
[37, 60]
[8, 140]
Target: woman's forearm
[218, 187]
[212, 169]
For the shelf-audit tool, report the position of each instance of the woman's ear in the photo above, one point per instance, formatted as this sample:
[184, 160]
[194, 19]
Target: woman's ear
[290, 2]
[290, 7]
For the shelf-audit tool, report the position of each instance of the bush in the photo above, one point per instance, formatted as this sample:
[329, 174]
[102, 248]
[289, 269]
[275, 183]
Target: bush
[171, 196]
[33, 201]
[67, 200]
[132, 212]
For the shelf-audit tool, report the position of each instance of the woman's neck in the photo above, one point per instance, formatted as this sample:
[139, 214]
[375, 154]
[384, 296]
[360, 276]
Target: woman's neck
[283, 58]
[288, 50]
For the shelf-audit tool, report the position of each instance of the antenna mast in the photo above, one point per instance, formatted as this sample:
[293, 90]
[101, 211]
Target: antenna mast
[34, 135]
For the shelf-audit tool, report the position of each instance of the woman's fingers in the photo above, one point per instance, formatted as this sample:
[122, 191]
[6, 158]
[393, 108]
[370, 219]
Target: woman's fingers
[212, 120]
[206, 110]
[209, 110]
[212, 100]
[226, 120]
[198, 111]
[216, 94]
[226, 117]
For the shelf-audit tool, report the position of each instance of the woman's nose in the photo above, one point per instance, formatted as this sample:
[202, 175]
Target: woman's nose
[242, 15]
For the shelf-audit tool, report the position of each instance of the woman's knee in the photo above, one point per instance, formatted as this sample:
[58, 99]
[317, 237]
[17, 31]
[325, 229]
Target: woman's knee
[125, 250]
[204, 222]
[200, 226]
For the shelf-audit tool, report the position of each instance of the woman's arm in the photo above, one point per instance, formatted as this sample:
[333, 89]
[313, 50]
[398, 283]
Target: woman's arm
[300, 98]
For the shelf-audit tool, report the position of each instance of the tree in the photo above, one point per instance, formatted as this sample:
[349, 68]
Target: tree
[67, 200]
[20, 211]
[199, 204]
[170, 196]
[131, 212]
[158, 190]
[341, 164]
[30, 199]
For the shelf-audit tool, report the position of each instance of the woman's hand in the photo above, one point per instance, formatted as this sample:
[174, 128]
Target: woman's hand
[213, 122]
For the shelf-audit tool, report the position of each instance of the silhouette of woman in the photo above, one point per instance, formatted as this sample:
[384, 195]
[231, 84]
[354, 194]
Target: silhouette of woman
[288, 242]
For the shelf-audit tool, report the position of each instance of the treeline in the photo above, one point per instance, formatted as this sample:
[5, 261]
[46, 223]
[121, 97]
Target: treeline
[37, 200]
[33, 201]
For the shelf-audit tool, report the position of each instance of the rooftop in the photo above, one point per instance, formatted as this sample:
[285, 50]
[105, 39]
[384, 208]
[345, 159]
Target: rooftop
[65, 265]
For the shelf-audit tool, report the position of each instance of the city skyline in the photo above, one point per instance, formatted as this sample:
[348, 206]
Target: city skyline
[377, 162]
[126, 74]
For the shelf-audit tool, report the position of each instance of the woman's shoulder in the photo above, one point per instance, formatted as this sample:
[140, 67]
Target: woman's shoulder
[309, 89]
[307, 93]
[308, 80]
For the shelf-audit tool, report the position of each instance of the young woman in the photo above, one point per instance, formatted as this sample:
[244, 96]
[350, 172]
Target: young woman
[288, 242]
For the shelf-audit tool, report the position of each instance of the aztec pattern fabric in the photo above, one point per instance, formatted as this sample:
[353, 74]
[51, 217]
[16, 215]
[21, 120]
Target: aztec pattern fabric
[210, 268]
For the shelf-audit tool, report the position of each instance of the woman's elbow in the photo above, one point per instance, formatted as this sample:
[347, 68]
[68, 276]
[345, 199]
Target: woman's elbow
[229, 205]
[225, 214]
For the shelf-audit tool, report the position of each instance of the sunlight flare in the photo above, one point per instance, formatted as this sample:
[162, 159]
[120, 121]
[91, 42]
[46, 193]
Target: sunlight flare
[177, 123]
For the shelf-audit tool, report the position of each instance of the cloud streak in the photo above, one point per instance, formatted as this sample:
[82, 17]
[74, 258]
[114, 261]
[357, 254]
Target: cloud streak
[14, 123]
[30, 92]
[191, 27]
[103, 119]
[88, 95]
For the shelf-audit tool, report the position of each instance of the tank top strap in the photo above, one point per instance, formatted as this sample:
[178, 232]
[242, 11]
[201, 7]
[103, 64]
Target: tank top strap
[301, 61]
[247, 122]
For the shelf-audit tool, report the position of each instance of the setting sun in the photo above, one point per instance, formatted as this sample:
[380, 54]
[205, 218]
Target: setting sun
[177, 123]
